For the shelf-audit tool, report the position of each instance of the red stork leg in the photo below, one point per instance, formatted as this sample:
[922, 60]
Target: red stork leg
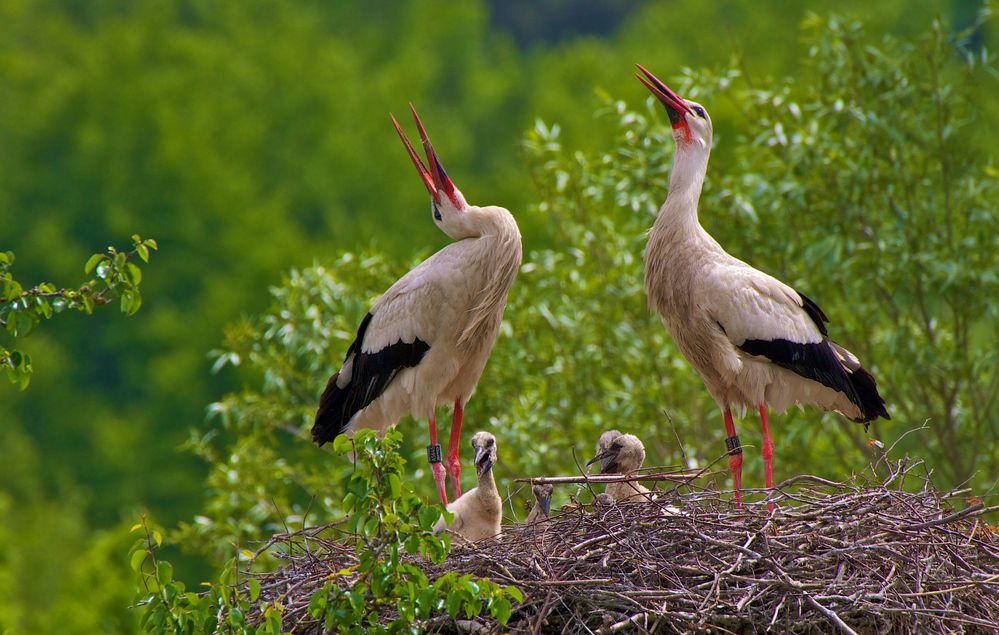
[767, 452]
[734, 456]
[453, 462]
[434, 456]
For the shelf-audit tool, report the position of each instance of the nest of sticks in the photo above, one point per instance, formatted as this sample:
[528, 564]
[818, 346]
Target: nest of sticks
[862, 557]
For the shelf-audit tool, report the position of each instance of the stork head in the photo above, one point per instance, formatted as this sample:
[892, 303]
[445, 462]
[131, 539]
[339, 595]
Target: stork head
[605, 441]
[543, 494]
[484, 445]
[691, 124]
[624, 454]
[448, 205]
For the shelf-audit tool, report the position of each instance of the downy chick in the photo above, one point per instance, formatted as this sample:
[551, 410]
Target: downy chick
[542, 503]
[621, 454]
[477, 514]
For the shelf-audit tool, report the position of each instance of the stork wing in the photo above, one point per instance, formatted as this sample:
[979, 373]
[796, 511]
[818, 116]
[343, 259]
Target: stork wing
[750, 305]
[395, 335]
[764, 317]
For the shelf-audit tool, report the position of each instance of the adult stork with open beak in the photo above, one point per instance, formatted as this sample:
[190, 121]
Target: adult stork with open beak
[755, 341]
[426, 341]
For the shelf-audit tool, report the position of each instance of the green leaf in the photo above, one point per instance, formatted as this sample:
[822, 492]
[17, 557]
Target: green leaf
[273, 620]
[254, 589]
[453, 603]
[428, 515]
[164, 572]
[514, 593]
[501, 610]
[137, 559]
[92, 263]
[134, 273]
[342, 444]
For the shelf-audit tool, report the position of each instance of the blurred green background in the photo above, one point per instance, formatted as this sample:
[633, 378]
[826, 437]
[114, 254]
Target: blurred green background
[249, 138]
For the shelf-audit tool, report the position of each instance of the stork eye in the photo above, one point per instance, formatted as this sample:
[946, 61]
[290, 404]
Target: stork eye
[437, 212]
[617, 446]
[700, 112]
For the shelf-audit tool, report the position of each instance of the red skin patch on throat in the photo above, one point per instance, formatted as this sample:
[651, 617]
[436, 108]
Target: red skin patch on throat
[686, 137]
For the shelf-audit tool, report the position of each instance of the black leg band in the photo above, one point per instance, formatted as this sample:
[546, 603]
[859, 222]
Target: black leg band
[434, 453]
[732, 445]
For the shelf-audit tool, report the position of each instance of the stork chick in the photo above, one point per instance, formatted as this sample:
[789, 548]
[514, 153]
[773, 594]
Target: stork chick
[426, 341]
[542, 503]
[621, 454]
[478, 512]
[755, 341]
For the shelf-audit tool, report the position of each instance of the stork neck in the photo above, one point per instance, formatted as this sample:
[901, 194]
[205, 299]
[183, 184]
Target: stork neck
[690, 163]
[487, 484]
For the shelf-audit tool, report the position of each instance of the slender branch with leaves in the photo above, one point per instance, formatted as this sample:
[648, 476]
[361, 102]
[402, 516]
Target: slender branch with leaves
[114, 275]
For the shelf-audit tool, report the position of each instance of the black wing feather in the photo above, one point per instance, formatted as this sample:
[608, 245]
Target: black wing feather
[815, 312]
[370, 376]
[819, 362]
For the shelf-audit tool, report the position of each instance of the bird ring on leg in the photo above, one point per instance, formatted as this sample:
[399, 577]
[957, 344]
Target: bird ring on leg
[733, 445]
[434, 453]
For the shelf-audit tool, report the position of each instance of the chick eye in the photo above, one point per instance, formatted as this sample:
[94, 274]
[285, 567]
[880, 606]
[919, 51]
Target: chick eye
[700, 112]
[437, 212]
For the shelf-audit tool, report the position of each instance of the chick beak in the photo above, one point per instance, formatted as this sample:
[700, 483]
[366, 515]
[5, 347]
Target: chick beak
[483, 461]
[608, 460]
[545, 501]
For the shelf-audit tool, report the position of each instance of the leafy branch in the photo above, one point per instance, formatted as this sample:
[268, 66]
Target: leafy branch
[114, 276]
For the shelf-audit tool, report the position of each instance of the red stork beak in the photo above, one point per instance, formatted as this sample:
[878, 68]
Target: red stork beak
[435, 178]
[675, 107]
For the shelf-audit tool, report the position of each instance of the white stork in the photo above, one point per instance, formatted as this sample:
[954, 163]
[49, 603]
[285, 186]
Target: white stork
[426, 341]
[755, 341]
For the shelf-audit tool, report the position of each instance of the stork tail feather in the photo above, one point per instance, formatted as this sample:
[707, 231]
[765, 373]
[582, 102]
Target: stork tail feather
[870, 402]
[369, 375]
[829, 364]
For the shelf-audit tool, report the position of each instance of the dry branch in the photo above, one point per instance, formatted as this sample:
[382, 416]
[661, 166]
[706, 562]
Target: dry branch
[602, 479]
[854, 557]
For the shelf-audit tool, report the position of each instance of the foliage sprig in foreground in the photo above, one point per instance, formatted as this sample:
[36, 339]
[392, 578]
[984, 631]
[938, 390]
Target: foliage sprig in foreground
[387, 536]
[854, 557]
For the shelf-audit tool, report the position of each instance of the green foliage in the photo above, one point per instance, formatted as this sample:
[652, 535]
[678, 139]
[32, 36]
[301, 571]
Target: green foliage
[167, 605]
[389, 520]
[264, 472]
[116, 276]
[386, 594]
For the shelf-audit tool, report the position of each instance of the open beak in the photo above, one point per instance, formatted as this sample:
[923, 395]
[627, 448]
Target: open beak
[608, 461]
[675, 107]
[434, 178]
[483, 461]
